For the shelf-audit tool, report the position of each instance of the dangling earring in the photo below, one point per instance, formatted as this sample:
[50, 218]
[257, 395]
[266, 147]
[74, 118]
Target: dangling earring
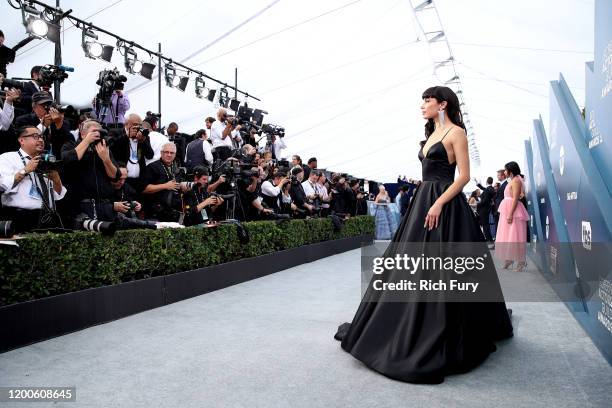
[441, 118]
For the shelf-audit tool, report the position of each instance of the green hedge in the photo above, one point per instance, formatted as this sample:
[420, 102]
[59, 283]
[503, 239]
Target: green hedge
[51, 264]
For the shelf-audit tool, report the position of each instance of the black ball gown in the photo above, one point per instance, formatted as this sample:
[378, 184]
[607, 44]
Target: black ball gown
[421, 342]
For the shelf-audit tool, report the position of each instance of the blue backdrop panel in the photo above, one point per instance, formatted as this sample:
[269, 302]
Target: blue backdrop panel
[599, 93]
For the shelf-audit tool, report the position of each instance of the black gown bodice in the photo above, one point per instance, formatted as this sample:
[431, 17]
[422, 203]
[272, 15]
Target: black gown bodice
[435, 165]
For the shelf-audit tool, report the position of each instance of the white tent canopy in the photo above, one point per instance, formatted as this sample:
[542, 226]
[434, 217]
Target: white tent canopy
[343, 77]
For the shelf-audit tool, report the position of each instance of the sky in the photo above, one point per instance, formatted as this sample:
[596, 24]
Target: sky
[343, 77]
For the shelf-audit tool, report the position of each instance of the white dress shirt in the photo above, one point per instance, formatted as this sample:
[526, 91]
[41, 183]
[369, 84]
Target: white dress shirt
[278, 147]
[309, 188]
[269, 189]
[24, 194]
[157, 141]
[133, 168]
[7, 114]
[216, 135]
[207, 151]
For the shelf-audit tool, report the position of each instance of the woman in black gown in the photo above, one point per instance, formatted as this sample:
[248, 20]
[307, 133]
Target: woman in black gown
[421, 342]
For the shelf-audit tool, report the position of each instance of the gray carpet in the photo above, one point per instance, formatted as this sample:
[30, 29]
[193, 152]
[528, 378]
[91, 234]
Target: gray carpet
[269, 343]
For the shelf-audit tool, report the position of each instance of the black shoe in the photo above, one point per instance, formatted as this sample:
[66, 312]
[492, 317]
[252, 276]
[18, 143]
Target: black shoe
[509, 312]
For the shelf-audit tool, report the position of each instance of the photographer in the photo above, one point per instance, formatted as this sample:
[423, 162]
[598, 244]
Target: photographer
[162, 191]
[133, 146]
[249, 196]
[157, 139]
[113, 112]
[49, 120]
[124, 196]
[310, 186]
[199, 204]
[323, 192]
[297, 191]
[7, 111]
[198, 152]
[248, 153]
[356, 199]
[29, 89]
[341, 196]
[271, 190]
[29, 194]
[223, 134]
[90, 168]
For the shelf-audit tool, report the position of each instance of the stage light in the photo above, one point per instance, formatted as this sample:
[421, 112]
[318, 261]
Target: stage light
[223, 97]
[200, 89]
[211, 95]
[93, 49]
[175, 81]
[132, 64]
[39, 27]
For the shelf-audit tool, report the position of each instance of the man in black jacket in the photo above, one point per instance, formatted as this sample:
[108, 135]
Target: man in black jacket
[89, 169]
[133, 147]
[499, 195]
[48, 120]
[484, 207]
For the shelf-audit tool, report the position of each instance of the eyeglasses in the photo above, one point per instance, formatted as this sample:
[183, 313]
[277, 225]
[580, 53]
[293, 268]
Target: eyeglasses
[167, 152]
[35, 136]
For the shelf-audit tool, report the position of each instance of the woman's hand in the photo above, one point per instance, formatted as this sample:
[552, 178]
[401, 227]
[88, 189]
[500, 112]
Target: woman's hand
[433, 216]
[509, 219]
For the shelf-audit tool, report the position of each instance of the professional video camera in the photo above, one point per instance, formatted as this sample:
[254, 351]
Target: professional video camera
[51, 73]
[273, 130]
[109, 81]
[233, 170]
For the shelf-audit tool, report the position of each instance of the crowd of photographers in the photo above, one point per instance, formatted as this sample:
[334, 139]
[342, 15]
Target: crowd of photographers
[104, 168]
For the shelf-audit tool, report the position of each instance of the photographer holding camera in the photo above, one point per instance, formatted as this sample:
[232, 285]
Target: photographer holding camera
[113, 111]
[90, 169]
[297, 191]
[7, 111]
[124, 196]
[46, 116]
[248, 187]
[341, 195]
[198, 152]
[200, 205]
[223, 134]
[356, 199]
[162, 190]
[271, 190]
[29, 192]
[133, 147]
[157, 139]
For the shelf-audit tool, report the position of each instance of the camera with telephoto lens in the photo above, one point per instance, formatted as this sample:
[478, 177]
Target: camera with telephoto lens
[7, 229]
[8, 84]
[52, 73]
[84, 223]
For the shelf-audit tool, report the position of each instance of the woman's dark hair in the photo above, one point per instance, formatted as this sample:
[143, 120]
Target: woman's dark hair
[513, 168]
[474, 194]
[444, 94]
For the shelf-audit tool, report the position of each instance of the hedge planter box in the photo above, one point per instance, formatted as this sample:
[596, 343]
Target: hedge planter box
[75, 280]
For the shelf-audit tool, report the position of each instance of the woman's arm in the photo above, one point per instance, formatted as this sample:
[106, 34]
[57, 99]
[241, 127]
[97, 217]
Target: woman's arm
[516, 192]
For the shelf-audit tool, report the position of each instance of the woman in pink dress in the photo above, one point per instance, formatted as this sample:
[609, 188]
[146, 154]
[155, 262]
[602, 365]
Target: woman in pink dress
[510, 243]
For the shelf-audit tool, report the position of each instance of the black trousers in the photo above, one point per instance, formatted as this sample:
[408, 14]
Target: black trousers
[483, 216]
